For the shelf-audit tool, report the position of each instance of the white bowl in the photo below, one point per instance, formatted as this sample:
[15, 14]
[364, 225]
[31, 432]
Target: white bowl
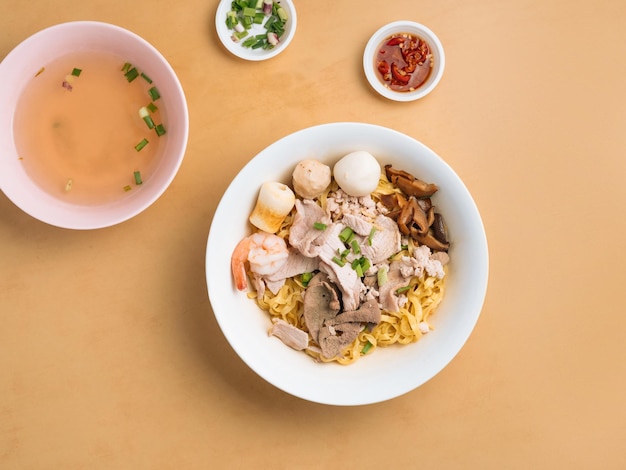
[410, 27]
[247, 53]
[46, 46]
[388, 372]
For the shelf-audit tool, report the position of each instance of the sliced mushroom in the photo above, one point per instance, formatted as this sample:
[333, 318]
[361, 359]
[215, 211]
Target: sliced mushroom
[409, 184]
[430, 216]
[417, 188]
[413, 219]
[439, 229]
[431, 242]
[425, 203]
[392, 172]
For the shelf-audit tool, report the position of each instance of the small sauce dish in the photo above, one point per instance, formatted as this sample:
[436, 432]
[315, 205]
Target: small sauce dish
[234, 38]
[404, 61]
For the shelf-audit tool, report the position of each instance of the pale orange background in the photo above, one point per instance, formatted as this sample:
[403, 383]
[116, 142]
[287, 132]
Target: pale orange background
[110, 356]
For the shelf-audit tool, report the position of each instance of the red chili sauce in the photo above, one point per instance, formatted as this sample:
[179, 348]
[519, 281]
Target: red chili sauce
[404, 62]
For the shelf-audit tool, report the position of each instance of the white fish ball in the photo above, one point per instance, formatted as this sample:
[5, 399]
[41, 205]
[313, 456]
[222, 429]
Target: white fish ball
[357, 173]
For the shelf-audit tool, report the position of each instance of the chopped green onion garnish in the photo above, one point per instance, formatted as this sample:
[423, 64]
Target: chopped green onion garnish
[356, 249]
[126, 67]
[382, 277]
[160, 130]
[366, 347]
[152, 107]
[248, 42]
[346, 235]
[146, 78]
[306, 278]
[402, 290]
[76, 72]
[154, 93]
[137, 177]
[247, 11]
[131, 74]
[127, 188]
[282, 13]
[359, 270]
[404, 247]
[365, 263]
[370, 236]
[240, 35]
[141, 144]
[319, 226]
[344, 254]
[339, 261]
[145, 115]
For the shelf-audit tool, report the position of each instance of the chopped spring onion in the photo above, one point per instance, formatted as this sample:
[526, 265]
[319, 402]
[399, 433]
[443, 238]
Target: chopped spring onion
[319, 226]
[371, 236]
[145, 115]
[282, 13]
[366, 347]
[127, 188]
[356, 249]
[152, 107]
[141, 144]
[146, 78]
[76, 72]
[154, 93]
[306, 278]
[160, 129]
[249, 42]
[346, 235]
[251, 12]
[137, 176]
[267, 14]
[126, 67]
[359, 270]
[338, 261]
[402, 290]
[131, 74]
[381, 276]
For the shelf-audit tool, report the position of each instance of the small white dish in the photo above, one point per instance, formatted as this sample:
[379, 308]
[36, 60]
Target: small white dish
[370, 65]
[247, 53]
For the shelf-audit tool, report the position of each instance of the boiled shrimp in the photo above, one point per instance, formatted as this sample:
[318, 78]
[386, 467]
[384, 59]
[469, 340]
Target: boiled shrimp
[264, 252]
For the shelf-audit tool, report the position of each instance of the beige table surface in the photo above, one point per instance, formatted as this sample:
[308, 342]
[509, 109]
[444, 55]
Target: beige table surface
[110, 356]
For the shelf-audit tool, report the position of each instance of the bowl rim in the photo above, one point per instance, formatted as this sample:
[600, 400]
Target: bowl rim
[241, 52]
[84, 219]
[340, 385]
[397, 27]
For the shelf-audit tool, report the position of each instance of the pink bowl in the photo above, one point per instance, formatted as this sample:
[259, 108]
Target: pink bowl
[45, 46]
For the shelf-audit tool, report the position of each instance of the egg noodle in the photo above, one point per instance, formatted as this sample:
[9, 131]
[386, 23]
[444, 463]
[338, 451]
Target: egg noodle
[402, 327]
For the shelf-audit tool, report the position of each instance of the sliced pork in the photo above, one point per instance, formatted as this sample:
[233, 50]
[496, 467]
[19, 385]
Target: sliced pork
[385, 241]
[303, 235]
[387, 292]
[290, 335]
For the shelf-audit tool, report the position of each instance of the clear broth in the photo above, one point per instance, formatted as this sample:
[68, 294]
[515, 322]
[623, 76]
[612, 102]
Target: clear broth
[79, 145]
